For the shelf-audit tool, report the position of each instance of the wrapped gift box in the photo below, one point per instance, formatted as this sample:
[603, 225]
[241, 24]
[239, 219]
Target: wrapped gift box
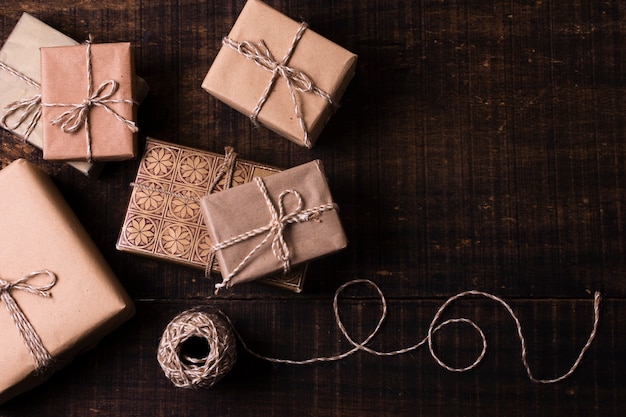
[70, 75]
[240, 80]
[40, 231]
[163, 218]
[20, 55]
[267, 224]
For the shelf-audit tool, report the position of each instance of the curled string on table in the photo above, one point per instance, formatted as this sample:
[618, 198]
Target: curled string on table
[223, 330]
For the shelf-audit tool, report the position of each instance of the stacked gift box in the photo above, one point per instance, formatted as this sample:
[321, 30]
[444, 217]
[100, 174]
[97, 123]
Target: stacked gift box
[245, 220]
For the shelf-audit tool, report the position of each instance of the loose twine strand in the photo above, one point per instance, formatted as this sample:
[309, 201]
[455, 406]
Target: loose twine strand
[36, 348]
[433, 328]
[297, 80]
[77, 116]
[27, 107]
[274, 229]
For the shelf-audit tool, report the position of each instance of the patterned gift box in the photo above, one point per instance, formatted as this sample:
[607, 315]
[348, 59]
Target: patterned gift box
[164, 220]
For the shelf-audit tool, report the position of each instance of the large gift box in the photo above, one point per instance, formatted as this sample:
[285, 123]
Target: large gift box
[281, 74]
[88, 110]
[54, 283]
[271, 223]
[20, 80]
[163, 218]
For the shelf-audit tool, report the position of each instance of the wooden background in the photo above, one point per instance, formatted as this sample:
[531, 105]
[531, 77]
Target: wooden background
[479, 146]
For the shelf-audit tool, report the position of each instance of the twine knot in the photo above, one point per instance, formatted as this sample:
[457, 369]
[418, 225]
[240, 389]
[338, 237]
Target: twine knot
[297, 80]
[37, 350]
[274, 229]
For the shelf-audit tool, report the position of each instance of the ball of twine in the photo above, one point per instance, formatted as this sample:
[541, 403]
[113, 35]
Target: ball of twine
[186, 371]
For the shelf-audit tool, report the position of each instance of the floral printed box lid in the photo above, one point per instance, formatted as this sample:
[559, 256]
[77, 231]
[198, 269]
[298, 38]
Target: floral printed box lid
[164, 220]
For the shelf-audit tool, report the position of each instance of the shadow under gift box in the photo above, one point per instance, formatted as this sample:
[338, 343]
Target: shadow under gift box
[309, 231]
[40, 231]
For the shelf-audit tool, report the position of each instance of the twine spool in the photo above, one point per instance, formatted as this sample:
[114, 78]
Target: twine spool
[197, 326]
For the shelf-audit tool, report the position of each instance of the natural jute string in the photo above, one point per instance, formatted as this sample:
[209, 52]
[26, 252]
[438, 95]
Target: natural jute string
[37, 350]
[28, 107]
[434, 327]
[297, 80]
[186, 371]
[77, 116]
[225, 171]
[274, 229]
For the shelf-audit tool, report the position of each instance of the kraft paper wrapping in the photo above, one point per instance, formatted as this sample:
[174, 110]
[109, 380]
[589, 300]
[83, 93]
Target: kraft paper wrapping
[21, 52]
[160, 223]
[64, 80]
[239, 82]
[241, 209]
[40, 231]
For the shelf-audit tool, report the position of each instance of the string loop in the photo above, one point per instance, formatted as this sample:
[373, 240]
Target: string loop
[77, 116]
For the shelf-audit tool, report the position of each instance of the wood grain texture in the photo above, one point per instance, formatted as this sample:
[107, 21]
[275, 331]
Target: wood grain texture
[479, 146]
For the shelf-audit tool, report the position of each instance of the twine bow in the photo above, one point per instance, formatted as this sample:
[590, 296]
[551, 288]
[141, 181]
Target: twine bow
[274, 229]
[77, 116]
[37, 350]
[297, 80]
[27, 108]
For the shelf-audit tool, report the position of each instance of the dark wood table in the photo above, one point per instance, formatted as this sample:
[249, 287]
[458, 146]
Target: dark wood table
[481, 145]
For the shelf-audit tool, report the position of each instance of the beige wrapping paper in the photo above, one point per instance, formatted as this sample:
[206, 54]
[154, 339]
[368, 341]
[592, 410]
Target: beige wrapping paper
[21, 52]
[40, 231]
[242, 209]
[64, 80]
[239, 82]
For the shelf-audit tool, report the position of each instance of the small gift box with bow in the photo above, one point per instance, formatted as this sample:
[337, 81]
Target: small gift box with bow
[280, 73]
[88, 111]
[58, 296]
[272, 223]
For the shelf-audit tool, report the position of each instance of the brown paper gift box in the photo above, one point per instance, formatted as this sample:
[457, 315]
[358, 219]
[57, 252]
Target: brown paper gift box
[40, 231]
[240, 83]
[64, 80]
[240, 210]
[21, 53]
[160, 223]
